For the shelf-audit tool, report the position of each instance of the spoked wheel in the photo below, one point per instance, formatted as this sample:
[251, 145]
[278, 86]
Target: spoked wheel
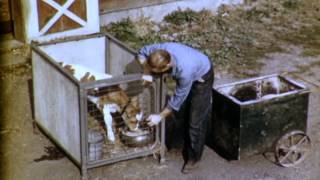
[292, 148]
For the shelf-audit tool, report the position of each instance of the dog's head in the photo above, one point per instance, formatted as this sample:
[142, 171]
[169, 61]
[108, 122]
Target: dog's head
[132, 114]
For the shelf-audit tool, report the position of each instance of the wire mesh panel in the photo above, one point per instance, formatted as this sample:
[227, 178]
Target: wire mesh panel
[117, 113]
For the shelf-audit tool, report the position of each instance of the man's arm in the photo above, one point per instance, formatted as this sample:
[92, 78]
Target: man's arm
[181, 92]
[146, 76]
[165, 112]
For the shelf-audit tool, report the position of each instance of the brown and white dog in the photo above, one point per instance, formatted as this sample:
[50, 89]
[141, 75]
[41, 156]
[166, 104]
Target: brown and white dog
[113, 99]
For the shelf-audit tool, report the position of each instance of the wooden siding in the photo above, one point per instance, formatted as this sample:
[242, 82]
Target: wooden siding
[46, 12]
[116, 5]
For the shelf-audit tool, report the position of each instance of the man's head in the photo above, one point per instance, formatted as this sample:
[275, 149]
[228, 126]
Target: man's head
[159, 61]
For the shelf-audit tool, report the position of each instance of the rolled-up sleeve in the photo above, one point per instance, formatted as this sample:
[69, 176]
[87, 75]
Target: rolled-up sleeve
[181, 92]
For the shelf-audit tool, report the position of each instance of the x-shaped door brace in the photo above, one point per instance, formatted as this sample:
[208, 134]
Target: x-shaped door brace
[62, 10]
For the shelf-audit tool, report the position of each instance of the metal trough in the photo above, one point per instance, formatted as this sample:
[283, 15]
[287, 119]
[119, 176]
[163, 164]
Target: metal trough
[250, 116]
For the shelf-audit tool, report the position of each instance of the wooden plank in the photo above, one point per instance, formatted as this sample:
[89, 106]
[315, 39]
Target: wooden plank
[5, 10]
[46, 12]
[64, 23]
[117, 5]
[18, 20]
[5, 17]
[79, 8]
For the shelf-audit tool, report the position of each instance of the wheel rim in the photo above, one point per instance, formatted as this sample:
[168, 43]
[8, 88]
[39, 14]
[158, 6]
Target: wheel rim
[292, 148]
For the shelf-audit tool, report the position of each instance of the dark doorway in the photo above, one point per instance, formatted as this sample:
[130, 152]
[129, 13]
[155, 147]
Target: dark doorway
[6, 23]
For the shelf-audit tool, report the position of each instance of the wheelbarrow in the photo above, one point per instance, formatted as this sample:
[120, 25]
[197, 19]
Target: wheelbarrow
[255, 115]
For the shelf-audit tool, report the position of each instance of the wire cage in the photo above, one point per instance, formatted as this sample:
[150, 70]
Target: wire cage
[116, 112]
[72, 113]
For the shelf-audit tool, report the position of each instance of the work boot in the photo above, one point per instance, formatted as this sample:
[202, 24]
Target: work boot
[189, 167]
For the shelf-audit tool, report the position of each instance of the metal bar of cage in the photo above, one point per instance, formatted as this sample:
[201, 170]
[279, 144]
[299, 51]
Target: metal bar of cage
[40, 56]
[83, 132]
[106, 83]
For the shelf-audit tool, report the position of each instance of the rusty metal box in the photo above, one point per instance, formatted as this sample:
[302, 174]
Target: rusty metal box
[250, 115]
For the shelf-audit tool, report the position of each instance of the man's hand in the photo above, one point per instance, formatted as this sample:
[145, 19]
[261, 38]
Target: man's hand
[146, 80]
[154, 119]
[141, 60]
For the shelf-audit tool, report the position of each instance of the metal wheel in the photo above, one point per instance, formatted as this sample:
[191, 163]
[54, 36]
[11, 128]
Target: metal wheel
[292, 148]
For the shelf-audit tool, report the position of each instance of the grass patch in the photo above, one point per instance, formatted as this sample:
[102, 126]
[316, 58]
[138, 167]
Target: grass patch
[308, 38]
[180, 17]
[237, 36]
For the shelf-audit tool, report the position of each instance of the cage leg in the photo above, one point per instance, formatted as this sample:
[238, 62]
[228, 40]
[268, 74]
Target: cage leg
[35, 128]
[84, 174]
[163, 144]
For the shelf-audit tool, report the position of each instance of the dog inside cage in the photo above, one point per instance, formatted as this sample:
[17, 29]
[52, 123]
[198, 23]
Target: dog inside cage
[116, 120]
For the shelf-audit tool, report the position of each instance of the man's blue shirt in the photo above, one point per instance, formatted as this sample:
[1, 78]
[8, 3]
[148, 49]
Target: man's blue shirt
[189, 65]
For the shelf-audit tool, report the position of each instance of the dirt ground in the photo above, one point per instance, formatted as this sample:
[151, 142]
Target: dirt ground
[26, 154]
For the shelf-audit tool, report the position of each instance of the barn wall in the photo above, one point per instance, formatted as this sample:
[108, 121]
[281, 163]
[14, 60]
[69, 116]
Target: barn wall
[157, 12]
[47, 20]
[107, 6]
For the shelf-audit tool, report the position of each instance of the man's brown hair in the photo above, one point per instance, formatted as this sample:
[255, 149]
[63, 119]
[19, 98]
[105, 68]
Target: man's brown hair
[158, 61]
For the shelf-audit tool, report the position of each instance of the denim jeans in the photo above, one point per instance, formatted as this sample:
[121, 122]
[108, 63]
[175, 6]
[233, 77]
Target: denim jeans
[195, 112]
